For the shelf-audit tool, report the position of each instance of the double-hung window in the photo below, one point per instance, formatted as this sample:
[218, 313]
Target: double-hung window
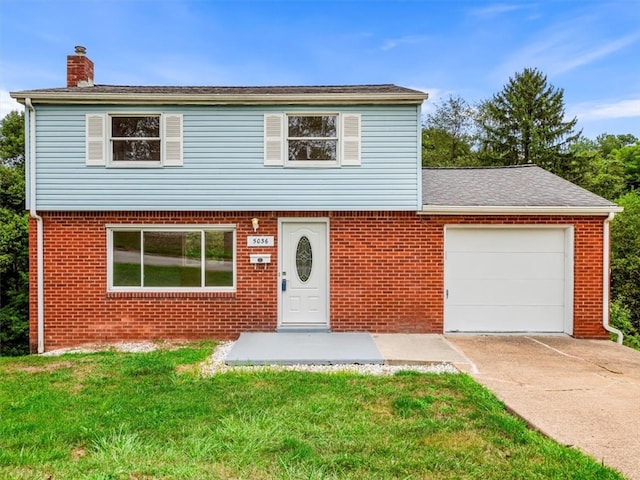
[161, 258]
[134, 140]
[312, 139]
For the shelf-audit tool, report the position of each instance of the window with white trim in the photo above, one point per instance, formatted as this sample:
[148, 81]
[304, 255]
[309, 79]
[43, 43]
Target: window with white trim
[169, 258]
[311, 139]
[134, 140]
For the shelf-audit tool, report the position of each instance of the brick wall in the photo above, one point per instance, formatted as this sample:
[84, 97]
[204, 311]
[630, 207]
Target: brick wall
[79, 71]
[386, 275]
[387, 270]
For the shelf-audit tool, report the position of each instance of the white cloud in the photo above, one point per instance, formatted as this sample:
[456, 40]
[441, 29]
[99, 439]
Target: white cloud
[563, 47]
[392, 43]
[587, 55]
[435, 95]
[7, 104]
[497, 9]
[606, 110]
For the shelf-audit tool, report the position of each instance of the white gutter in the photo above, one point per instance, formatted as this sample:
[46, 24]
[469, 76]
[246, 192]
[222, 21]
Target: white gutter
[40, 226]
[515, 210]
[605, 281]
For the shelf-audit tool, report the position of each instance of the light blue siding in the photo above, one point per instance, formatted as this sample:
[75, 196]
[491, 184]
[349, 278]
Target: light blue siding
[223, 165]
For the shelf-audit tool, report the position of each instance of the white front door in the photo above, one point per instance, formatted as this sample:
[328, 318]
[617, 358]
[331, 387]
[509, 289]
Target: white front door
[304, 274]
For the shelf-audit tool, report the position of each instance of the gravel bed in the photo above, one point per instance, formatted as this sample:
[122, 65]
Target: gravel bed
[126, 347]
[215, 365]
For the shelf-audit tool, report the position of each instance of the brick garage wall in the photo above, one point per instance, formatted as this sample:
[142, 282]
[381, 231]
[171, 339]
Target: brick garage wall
[386, 275]
[387, 270]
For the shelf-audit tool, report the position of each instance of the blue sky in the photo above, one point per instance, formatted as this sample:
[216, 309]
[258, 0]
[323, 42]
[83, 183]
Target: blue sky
[591, 49]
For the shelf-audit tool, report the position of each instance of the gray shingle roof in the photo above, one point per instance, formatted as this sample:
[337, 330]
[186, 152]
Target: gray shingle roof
[213, 90]
[515, 186]
[386, 94]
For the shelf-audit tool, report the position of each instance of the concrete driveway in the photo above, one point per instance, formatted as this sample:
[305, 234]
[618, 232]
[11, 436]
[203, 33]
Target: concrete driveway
[582, 393]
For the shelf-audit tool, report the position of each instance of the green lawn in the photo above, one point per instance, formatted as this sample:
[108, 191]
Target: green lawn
[145, 416]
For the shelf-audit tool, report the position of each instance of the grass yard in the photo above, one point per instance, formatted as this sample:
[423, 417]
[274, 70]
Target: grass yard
[150, 415]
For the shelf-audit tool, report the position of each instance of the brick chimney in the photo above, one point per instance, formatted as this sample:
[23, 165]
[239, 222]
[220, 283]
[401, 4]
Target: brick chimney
[79, 69]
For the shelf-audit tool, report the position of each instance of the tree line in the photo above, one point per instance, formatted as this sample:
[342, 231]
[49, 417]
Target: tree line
[523, 123]
[14, 239]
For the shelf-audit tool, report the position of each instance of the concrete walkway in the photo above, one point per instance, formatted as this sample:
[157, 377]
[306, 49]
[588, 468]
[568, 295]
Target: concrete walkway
[320, 348]
[419, 349]
[582, 393]
[317, 348]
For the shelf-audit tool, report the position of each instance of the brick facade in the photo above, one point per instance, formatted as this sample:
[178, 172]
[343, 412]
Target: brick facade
[386, 275]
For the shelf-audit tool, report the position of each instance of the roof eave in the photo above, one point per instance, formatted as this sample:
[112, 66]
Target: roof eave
[219, 99]
[518, 210]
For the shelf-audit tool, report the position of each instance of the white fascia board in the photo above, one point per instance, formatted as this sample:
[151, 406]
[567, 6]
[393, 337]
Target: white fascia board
[207, 99]
[516, 210]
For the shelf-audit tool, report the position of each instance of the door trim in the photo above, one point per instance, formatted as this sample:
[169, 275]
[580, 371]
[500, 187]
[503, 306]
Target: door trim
[293, 220]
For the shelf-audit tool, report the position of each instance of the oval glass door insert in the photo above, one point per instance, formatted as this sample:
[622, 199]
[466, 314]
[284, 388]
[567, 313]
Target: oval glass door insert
[304, 259]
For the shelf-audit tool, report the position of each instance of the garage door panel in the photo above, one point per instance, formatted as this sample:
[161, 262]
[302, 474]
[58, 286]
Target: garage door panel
[512, 292]
[502, 239]
[506, 319]
[505, 265]
[506, 279]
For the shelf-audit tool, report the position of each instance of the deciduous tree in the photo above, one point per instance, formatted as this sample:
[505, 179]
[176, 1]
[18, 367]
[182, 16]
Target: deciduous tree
[12, 139]
[625, 255]
[448, 134]
[14, 303]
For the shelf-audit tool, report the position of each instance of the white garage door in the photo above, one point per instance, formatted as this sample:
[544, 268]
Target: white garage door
[507, 280]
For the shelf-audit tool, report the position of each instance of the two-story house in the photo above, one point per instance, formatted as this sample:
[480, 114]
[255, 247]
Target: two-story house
[203, 212]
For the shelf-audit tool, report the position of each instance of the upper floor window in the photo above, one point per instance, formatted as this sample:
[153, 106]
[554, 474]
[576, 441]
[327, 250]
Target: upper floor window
[134, 140]
[312, 139]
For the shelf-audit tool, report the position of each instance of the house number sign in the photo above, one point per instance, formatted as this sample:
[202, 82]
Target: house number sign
[260, 241]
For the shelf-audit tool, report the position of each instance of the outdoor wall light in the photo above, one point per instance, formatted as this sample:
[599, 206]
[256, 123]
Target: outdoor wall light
[254, 224]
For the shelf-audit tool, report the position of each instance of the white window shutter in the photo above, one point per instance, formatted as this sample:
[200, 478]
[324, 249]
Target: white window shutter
[172, 140]
[273, 139]
[351, 139]
[95, 140]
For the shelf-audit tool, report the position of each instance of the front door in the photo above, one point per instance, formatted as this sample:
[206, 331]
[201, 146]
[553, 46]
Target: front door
[303, 274]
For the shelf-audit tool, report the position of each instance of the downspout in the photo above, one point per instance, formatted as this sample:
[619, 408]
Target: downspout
[605, 281]
[39, 225]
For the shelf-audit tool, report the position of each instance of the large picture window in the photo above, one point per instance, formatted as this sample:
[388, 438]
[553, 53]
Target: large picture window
[168, 258]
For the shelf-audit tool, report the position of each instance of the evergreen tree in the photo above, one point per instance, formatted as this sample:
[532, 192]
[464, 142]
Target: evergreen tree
[524, 123]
